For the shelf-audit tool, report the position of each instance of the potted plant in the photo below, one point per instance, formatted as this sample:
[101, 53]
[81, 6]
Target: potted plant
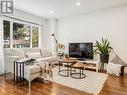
[103, 48]
[66, 55]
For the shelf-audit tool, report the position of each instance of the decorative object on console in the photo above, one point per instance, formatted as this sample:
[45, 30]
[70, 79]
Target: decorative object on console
[61, 48]
[103, 48]
[66, 55]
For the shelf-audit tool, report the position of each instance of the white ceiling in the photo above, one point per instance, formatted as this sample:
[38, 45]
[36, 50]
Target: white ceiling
[64, 8]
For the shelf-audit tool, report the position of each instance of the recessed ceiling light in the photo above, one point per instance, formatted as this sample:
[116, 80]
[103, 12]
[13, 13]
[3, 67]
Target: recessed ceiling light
[78, 3]
[51, 11]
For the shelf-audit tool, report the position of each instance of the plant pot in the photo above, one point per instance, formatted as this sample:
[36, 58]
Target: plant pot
[104, 58]
[66, 56]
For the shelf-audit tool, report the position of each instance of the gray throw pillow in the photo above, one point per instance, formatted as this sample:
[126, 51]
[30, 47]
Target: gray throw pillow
[118, 60]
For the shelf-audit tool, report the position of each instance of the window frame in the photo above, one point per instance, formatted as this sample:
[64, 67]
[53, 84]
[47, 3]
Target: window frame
[25, 23]
[9, 33]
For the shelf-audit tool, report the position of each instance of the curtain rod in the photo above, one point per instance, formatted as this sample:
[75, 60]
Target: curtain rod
[20, 19]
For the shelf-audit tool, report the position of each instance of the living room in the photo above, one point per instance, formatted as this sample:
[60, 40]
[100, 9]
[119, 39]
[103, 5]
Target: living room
[45, 31]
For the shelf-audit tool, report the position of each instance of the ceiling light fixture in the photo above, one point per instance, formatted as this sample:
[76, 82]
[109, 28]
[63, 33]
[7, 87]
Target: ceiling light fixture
[51, 12]
[78, 3]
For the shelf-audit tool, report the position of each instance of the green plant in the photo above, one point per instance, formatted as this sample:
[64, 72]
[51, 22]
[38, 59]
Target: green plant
[66, 54]
[102, 47]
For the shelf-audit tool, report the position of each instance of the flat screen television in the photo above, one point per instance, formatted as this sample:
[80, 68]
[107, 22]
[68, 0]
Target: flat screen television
[81, 50]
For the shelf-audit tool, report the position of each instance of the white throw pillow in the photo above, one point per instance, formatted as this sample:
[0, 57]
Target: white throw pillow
[19, 53]
[45, 53]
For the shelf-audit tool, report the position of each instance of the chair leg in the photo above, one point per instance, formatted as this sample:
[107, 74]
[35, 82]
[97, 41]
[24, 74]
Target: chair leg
[29, 84]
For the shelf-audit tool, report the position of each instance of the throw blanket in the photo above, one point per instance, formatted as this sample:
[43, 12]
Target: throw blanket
[44, 66]
[114, 69]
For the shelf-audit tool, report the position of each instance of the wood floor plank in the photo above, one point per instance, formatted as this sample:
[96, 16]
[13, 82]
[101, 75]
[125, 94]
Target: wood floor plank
[112, 86]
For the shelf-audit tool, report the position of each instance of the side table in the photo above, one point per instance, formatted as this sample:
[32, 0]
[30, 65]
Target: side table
[80, 67]
[68, 63]
[19, 70]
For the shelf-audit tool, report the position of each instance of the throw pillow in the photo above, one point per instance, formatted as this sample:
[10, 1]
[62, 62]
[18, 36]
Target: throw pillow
[118, 60]
[45, 53]
[19, 53]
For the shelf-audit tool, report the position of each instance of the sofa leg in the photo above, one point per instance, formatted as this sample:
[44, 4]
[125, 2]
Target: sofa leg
[29, 84]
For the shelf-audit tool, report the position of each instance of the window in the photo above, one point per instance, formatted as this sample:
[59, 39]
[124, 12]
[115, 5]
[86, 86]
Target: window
[18, 35]
[6, 33]
[21, 35]
[35, 36]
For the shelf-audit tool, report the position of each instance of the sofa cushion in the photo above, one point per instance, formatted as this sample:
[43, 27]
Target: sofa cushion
[33, 55]
[45, 53]
[19, 53]
[31, 69]
[46, 59]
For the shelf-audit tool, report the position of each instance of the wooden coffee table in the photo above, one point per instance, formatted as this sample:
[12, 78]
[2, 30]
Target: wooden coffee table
[78, 73]
[66, 63]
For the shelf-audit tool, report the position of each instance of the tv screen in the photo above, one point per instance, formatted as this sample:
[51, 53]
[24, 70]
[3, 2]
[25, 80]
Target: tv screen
[81, 50]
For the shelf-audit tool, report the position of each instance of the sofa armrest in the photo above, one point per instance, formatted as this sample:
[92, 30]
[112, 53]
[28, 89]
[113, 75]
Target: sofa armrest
[9, 60]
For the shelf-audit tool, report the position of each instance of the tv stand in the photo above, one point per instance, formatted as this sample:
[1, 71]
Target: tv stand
[90, 64]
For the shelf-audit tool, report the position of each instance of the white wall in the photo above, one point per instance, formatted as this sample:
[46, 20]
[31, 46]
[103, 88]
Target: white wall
[28, 17]
[1, 49]
[108, 23]
[47, 40]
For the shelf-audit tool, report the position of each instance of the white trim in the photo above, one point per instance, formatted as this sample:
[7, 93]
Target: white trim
[2, 69]
[39, 36]
[18, 21]
[11, 34]
[30, 36]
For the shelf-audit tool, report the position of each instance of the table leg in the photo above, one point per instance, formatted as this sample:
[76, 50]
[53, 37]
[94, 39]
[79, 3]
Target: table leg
[59, 66]
[14, 71]
[67, 70]
[20, 74]
[23, 72]
[97, 67]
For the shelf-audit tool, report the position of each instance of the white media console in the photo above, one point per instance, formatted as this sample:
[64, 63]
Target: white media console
[90, 64]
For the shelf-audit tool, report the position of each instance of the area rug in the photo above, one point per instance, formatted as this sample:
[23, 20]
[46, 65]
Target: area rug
[92, 83]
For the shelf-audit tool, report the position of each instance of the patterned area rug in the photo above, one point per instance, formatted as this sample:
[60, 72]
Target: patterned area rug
[92, 83]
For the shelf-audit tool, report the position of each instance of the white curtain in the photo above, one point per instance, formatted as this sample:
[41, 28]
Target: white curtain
[1, 47]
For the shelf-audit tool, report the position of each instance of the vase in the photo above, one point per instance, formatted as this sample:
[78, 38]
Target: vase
[104, 58]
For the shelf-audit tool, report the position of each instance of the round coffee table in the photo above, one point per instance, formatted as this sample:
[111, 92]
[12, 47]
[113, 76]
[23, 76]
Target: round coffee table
[67, 64]
[78, 73]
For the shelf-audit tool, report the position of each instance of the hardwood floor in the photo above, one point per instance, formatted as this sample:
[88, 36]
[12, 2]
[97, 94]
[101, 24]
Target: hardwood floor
[112, 86]
[115, 86]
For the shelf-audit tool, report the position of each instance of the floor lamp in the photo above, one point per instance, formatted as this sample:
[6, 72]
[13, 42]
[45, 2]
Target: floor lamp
[56, 42]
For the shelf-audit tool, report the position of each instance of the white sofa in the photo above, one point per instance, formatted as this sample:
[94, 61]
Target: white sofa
[10, 55]
[32, 71]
